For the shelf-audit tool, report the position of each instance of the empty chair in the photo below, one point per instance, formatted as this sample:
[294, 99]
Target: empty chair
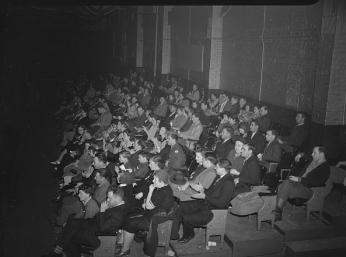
[217, 226]
[266, 211]
[315, 203]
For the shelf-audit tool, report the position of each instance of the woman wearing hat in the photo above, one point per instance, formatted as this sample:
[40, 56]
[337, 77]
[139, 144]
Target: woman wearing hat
[157, 208]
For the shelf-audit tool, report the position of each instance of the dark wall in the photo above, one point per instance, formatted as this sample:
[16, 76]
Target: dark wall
[283, 72]
[149, 25]
[190, 47]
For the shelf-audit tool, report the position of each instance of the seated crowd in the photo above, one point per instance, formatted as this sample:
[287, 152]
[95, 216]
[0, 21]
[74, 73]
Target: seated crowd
[135, 154]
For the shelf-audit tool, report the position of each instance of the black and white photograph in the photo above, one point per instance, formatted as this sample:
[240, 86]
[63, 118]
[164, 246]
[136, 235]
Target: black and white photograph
[183, 128]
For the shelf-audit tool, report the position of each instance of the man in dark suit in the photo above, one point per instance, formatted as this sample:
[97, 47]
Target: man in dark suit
[78, 232]
[264, 121]
[234, 108]
[223, 148]
[256, 138]
[177, 157]
[314, 174]
[272, 152]
[170, 116]
[139, 121]
[298, 135]
[225, 104]
[217, 196]
[250, 174]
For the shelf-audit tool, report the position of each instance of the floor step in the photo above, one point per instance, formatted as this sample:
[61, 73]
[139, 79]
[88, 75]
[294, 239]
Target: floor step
[295, 227]
[245, 240]
[316, 248]
[197, 247]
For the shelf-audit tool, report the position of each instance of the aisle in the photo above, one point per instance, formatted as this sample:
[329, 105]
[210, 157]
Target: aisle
[27, 231]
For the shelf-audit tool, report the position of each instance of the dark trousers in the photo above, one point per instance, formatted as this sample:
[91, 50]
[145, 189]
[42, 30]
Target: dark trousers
[289, 189]
[148, 221]
[76, 233]
[151, 241]
[191, 214]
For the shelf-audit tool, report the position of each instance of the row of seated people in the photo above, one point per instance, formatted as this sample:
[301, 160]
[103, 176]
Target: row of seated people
[123, 153]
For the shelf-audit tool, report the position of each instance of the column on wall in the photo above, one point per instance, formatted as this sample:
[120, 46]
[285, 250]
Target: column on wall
[139, 49]
[336, 101]
[124, 36]
[166, 42]
[325, 61]
[216, 48]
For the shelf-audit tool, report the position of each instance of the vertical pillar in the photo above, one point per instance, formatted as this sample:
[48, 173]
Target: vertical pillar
[336, 101]
[215, 48]
[166, 42]
[324, 65]
[329, 91]
[189, 36]
[156, 11]
[139, 45]
[124, 23]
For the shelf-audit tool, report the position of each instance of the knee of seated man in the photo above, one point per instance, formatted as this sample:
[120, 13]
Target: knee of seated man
[200, 218]
[285, 183]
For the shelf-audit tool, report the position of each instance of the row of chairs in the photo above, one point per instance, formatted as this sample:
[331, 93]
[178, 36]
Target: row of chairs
[217, 226]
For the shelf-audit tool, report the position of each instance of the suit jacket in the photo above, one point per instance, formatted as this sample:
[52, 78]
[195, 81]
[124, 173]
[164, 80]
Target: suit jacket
[258, 141]
[226, 108]
[223, 148]
[170, 117]
[250, 174]
[139, 172]
[193, 133]
[112, 219]
[161, 110]
[100, 194]
[298, 136]
[234, 109]
[179, 121]
[264, 123]
[272, 152]
[145, 100]
[219, 194]
[137, 122]
[316, 177]
[177, 157]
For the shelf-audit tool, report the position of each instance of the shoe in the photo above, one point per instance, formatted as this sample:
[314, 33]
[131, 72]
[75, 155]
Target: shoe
[185, 240]
[121, 254]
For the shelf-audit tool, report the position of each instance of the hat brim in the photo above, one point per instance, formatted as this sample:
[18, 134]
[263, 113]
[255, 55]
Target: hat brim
[178, 182]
